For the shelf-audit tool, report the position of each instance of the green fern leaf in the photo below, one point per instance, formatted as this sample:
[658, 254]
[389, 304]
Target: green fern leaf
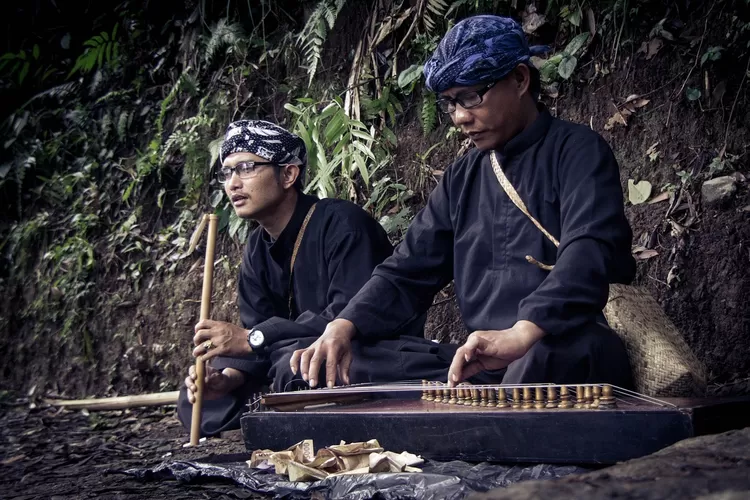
[429, 112]
[312, 37]
[123, 123]
[224, 36]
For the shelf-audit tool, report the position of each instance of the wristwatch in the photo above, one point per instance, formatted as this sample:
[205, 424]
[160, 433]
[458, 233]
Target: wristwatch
[255, 338]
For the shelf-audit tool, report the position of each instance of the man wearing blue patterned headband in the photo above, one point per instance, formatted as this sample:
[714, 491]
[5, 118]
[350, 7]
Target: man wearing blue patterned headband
[530, 225]
[304, 262]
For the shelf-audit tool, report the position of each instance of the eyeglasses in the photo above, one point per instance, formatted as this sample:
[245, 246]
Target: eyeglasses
[244, 169]
[467, 100]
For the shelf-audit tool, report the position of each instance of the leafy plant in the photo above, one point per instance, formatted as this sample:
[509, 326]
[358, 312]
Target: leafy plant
[436, 8]
[564, 63]
[225, 35]
[337, 147]
[408, 78]
[693, 94]
[19, 63]
[711, 54]
[314, 34]
[100, 49]
[428, 113]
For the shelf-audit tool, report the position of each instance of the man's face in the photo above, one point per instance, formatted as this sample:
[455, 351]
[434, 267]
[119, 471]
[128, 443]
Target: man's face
[497, 119]
[259, 193]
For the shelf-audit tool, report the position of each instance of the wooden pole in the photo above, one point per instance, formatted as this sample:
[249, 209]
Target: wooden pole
[200, 372]
[118, 403]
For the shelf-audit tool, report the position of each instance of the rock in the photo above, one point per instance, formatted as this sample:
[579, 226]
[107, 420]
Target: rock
[719, 189]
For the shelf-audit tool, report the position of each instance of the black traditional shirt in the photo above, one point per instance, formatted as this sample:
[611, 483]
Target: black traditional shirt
[471, 232]
[340, 248]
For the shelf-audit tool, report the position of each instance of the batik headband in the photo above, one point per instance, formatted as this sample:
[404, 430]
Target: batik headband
[264, 139]
[476, 50]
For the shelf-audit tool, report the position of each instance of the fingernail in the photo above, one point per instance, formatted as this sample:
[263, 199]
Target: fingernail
[313, 383]
[467, 357]
[294, 371]
[304, 377]
[330, 384]
[454, 377]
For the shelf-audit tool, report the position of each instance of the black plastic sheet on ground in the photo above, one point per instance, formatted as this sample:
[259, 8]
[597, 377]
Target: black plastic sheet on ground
[444, 480]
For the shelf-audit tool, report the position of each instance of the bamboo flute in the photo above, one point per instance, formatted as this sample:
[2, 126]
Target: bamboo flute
[200, 372]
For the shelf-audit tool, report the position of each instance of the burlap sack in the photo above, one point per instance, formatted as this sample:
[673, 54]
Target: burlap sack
[662, 362]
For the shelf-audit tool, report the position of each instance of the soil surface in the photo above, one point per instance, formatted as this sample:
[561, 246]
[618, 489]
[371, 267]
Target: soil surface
[58, 454]
[50, 453]
[708, 467]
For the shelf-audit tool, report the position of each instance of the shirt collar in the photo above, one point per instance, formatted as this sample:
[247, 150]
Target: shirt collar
[530, 135]
[281, 249]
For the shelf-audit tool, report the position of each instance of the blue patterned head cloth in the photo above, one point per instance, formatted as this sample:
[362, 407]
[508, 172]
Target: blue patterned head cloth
[476, 50]
[264, 139]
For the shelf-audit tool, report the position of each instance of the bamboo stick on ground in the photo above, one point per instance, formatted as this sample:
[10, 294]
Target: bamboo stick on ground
[117, 403]
[208, 274]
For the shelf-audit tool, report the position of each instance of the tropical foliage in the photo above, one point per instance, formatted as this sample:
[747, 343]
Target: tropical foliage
[111, 130]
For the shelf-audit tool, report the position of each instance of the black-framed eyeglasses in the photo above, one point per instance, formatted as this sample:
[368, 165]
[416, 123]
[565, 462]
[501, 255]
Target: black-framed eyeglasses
[244, 169]
[467, 100]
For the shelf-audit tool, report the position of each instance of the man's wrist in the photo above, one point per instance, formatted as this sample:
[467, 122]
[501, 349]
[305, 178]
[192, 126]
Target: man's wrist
[530, 331]
[344, 327]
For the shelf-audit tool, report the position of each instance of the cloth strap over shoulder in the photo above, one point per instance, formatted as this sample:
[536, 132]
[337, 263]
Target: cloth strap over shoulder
[297, 244]
[517, 201]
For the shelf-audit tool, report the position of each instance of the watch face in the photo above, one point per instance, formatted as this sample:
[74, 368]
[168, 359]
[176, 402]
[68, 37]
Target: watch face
[256, 338]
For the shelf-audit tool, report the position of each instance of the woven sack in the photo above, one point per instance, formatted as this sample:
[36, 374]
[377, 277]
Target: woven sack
[662, 363]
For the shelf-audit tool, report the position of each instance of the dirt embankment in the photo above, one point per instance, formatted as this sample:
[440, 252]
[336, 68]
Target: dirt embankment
[699, 273]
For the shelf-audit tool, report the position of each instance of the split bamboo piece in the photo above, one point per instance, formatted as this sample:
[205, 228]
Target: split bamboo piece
[117, 403]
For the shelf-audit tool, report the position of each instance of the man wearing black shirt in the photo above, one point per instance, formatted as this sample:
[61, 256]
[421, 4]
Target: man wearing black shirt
[530, 291]
[307, 259]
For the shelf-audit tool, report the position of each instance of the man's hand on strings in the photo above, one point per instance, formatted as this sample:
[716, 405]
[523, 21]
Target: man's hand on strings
[334, 347]
[217, 384]
[493, 350]
[217, 338]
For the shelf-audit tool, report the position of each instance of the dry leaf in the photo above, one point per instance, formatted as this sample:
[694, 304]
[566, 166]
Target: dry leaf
[651, 48]
[531, 20]
[673, 276]
[638, 192]
[618, 117]
[659, 198]
[718, 94]
[646, 254]
[592, 21]
[739, 177]
[634, 102]
[677, 229]
[197, 234]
